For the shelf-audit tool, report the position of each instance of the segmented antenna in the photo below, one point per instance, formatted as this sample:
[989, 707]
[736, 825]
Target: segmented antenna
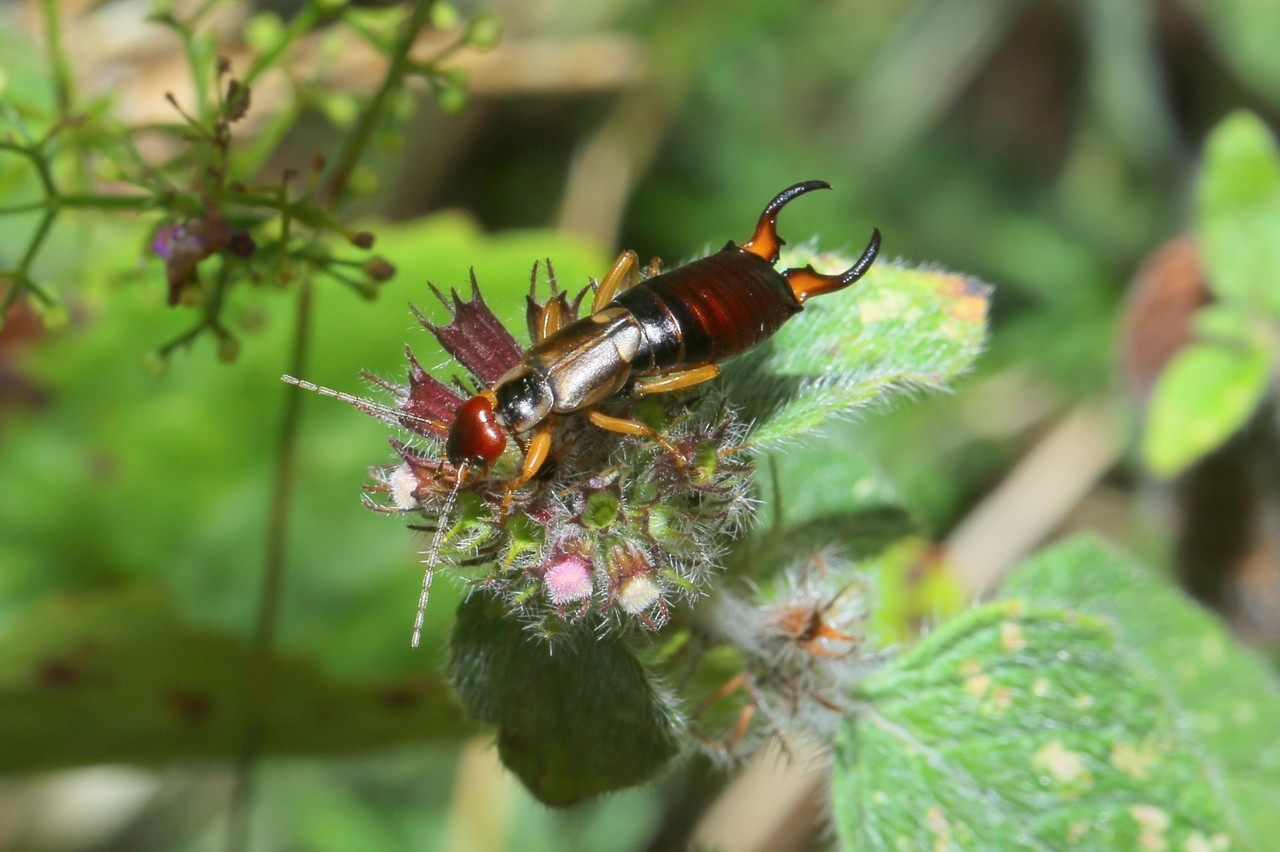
[433, 556]
[387, 414]
[396, 417]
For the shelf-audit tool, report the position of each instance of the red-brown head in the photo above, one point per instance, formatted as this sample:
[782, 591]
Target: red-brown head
[476, 437]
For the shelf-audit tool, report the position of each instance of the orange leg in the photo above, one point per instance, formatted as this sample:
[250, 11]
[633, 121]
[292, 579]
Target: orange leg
[742, 724]
[551, 318]
[633, 427]
[623, 274]
[535, 455]
[676, 381]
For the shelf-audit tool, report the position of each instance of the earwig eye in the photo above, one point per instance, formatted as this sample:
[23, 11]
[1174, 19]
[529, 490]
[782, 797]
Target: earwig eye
[475, 436]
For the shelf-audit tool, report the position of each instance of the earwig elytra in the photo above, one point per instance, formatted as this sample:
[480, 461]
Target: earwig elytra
[661, 334]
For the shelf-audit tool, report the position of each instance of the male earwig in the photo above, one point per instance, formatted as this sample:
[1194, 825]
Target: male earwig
[664, 333]
[645, 335]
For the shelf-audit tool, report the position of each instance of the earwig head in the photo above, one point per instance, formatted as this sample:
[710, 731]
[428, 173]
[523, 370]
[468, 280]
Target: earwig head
[765, 242]
[475, 436]
[523, 399]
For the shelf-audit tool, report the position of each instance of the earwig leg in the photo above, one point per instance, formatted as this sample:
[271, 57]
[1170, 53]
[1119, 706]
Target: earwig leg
[550, 318]
[765, 242]
[535, 455]
[807, 283]
[633, 427]
[621, 275]
[676, 381]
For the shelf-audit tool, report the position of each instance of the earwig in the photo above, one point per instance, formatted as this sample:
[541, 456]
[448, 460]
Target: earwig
[644, 335]
[662, 334]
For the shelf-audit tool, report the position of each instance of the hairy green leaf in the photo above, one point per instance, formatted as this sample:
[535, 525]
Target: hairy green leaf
[1226, 698]
[1017, 727]
[895, 330]
[575, 720]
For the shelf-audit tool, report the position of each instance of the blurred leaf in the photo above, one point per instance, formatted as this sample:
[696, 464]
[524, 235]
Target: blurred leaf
[913, 590]
[116, 677]
[1227, 699]
[895, 330]
[575, 720]
[1244, 31]
[1015, 727]
[1239, 214]
[1203, 396]
[821, 476]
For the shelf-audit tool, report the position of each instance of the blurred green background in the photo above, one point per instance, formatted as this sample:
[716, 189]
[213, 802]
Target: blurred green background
[1044, 147]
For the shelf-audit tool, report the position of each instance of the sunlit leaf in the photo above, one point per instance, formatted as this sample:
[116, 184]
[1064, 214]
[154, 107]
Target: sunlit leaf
[1238, 224]
[1205, 394]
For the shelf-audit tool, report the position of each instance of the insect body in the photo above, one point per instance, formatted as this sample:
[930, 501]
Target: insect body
[649, 335]
[661, 334]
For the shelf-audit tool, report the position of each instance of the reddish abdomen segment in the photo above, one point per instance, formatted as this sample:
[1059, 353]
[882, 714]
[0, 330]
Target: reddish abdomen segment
[707, 311]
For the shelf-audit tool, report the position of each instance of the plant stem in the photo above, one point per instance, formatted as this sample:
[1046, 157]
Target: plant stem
[57, 58]
[363, 132]
[262, 652]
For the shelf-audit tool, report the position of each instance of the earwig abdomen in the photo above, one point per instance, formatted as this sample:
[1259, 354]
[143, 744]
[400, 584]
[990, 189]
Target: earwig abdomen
[707, 311]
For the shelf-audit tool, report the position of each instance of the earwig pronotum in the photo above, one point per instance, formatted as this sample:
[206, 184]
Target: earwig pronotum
[653, 335]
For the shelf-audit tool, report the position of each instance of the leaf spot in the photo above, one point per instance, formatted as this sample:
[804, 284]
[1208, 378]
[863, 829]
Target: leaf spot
[936, 819]
[1152, 822]
[977, 685]
[1064, 766]
[1134, 761]
[1012, 638]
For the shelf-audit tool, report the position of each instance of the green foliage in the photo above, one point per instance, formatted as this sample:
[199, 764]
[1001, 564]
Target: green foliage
[896, 330]
[1206, 393]
[151, 690]
[1226, 698]
[1094, 707]
[575, 719]
[1211, 388]
[1244, 32]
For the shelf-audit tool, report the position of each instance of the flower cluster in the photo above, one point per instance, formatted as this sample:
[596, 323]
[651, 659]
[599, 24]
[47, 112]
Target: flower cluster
[801, 644]
[614, 530]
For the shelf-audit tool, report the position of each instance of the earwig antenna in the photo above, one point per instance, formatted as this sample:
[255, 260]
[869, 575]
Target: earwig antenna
[433, 556]
[385, 413]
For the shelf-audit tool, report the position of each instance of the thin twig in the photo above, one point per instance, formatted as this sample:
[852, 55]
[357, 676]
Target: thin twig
[363, 133]
[262, 653]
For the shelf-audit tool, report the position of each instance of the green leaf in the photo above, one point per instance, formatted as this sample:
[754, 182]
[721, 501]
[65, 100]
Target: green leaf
[1014, 727]
[896, 329]
[1227, 699]
[1239, 214]
[116, 677]
[1203, 396]
[1244, 33]
[575, 720]
[179, 467]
